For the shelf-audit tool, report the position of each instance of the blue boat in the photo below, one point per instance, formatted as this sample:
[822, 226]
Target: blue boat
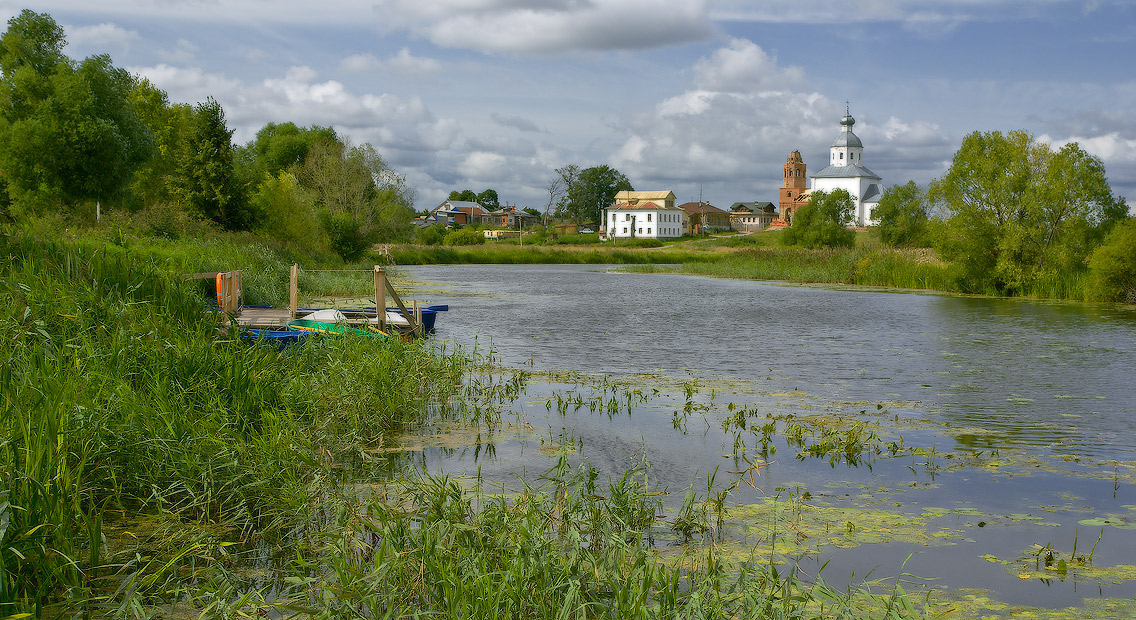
[279, 338]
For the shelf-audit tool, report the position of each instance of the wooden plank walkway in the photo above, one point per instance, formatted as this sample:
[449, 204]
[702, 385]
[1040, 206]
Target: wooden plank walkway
[263, 318]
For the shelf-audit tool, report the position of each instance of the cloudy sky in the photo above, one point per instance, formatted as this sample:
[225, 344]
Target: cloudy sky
[702, 97]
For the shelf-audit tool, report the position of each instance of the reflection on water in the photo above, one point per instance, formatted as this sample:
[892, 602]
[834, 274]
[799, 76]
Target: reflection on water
[969, 382]
[1029, 373]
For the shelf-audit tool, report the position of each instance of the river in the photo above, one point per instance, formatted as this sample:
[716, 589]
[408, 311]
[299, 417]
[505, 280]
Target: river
[1038, 398]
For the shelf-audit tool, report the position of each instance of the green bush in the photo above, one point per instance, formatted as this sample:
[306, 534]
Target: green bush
[1112, 275]
[432, 235]
[464, 236]
[822, 223]
[576, 239]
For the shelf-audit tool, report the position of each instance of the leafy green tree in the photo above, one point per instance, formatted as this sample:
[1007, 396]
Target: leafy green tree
[1112, 266]
[68, 132]
[170, 124]
[823, 221]
[902, 216]
[206, 178]
[589, 192]
[489, 200]
[466, 195]
[280, 147]
[284, 211]
[1019, 213]
[361, 199]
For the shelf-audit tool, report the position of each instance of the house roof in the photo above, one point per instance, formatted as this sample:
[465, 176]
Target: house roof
[700, 207]
[642, 206]
[465, 206]
[845, 172]
[872, 194]
[627, 195]
[753, 207]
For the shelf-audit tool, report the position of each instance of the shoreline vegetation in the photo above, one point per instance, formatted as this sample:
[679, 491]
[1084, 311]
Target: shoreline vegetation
[154, 466]
[756, 256]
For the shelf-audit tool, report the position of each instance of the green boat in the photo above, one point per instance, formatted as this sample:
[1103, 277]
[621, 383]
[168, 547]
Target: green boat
[322, 327]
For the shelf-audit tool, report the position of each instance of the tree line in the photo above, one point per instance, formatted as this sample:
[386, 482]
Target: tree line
[76, 136]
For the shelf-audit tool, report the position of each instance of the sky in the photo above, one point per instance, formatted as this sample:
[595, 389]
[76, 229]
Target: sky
[705, 98]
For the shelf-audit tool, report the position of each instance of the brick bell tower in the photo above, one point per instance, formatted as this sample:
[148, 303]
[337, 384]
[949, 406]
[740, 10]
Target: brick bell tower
[793, 185]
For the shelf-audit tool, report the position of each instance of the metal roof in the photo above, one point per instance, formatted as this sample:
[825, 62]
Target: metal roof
[847, 138]
[872, 194]
[845, 172]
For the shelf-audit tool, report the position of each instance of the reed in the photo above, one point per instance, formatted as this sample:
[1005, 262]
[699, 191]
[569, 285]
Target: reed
[119, 394]
[572, 547]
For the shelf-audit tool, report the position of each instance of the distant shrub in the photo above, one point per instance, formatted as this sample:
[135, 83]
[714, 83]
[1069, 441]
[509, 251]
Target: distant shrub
[576, 239]
[1112, 266]
[464, 236]
[432, 235]
[638, 243]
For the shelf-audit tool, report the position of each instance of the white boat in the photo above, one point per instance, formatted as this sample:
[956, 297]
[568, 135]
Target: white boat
[331, 315]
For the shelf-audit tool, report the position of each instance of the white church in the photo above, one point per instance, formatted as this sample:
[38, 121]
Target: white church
[845, 170]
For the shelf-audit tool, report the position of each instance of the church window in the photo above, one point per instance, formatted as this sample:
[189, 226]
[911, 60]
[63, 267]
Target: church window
[648, 217]
[842, 156]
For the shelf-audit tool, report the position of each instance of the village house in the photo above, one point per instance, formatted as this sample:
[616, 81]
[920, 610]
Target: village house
[511, 217]
[650, 215]
[752, 216]
[705, 218]
[457, 213]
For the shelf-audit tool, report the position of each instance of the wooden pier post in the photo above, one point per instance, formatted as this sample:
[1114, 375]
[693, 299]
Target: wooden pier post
[294, 291]
[381, 297]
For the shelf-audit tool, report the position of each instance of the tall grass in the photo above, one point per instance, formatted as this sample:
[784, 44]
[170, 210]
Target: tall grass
[862, 266]
[573, 547]
[117, 393]
[509, 254]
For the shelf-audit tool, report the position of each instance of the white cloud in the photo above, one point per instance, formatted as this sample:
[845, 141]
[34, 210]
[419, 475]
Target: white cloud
[552, 26]
[404, 63]
[744, 67]
[184, 52]
[99, 37]
[393, 124]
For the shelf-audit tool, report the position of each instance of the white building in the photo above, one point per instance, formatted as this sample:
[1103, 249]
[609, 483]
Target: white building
[650, 215]
[846, 171]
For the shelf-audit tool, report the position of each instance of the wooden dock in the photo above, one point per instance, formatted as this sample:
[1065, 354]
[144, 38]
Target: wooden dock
[229, 301]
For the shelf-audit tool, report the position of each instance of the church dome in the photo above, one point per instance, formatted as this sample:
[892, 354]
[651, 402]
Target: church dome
[847, 138]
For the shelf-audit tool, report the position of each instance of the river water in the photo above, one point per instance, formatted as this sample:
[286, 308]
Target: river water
[1052, 385]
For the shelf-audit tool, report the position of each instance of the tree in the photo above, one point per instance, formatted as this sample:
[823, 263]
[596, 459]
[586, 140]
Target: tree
[590, 192]
[68, 132]
[466, 195]
[284, 210]
[206, 178]
[902, 216]
[1112, 266]
[170, 126]
[823, 221]
[360, 198]
[488, 199]
[1019, 213]
[280, 147]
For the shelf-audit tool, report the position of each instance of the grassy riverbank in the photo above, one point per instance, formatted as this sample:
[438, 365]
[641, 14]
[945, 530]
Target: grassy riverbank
[758, 256]
[154, 466]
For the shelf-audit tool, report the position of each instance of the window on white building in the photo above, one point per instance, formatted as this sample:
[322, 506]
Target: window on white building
[648, 217]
